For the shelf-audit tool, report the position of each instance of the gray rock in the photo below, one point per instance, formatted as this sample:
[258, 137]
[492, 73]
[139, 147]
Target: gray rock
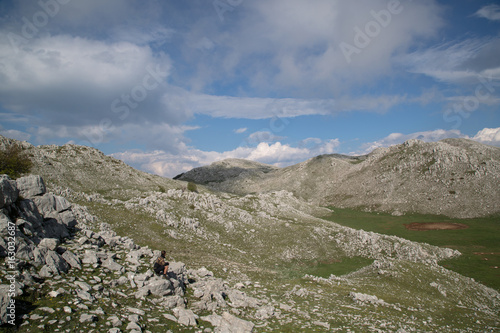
[265, 312]
[31, 186]
[53, 229]
[86, 296]
[25, 248]
[141, 279]
[134, 327]
[240, 300]
[39, 256]
[29, 211]
[50, 205]
[115, 321]
[49, 243]
[88, 318]
[4, 224]
[46, 272]
[232, 324]
[84, 286]
[8, 191]
[160, 287]
[170, 317]
[213, 319]
[174, 301]
[90, 257]
[185, 317]
[134, 318]
[72, 259]
[5, 303]
[55, 262]
[3, 248]
[113, 265]
[134, 256]
[136, 311]
[67, 218]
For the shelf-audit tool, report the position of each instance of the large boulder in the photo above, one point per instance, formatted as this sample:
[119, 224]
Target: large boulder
[8, 191]
[29, 211]
[185, 317]
[51, 228]
[72, 259]
[50, 204]
[31, 186]
[55, 262]
[232, 324]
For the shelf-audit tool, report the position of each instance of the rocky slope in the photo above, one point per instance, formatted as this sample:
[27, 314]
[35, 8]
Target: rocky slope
[221, 171]
[454, 177]
[83, 259]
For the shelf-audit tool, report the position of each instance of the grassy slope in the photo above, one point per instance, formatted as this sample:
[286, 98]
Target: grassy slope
[482, 236]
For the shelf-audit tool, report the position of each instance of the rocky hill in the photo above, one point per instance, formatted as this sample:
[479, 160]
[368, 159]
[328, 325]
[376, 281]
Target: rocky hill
[454, 177]
[84, 249]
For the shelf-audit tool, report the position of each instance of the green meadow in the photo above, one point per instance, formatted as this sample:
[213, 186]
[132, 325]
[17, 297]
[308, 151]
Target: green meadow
[479, 243]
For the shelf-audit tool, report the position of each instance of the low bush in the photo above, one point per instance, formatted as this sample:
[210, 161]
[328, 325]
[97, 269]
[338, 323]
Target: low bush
[14, 162]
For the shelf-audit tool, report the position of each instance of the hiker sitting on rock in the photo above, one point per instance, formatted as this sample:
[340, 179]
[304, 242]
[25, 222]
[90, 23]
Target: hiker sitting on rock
[161, 266]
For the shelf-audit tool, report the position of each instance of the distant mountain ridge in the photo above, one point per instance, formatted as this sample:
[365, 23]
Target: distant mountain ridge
[454, 177]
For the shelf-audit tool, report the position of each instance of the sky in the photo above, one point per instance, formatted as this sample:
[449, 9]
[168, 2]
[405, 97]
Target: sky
[168, 85]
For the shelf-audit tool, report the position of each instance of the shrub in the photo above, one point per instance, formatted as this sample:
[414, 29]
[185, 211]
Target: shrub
[14, 162]
[192, 187]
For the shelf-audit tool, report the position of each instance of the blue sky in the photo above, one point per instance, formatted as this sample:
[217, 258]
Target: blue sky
[171, 85]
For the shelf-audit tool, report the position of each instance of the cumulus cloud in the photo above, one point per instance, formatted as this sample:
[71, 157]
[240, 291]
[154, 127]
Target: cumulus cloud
[490, 136]
[312, 60]
[278, 154]
[90, 90]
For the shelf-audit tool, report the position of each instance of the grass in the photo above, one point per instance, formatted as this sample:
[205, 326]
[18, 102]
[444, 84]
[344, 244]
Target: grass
[479, 244]
[324, 268]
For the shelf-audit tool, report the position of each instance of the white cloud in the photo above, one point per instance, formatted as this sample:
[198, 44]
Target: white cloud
[490, 136]
[240, 130]
[398, 138]
[15, 134]
[490, 12]
[458, 62]
[170, 164]
[266, 108]
[263, 136]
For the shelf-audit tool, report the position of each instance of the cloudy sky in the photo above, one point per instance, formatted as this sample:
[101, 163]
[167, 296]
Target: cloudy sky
[170, 85]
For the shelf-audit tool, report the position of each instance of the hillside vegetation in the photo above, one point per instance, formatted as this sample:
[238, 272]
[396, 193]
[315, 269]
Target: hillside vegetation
[273, 259]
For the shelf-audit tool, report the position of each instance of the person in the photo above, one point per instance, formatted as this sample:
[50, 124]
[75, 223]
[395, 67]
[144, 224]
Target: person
[161, 266]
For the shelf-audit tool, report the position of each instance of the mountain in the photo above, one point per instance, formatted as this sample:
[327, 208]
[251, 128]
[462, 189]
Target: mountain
[453, 177]
[228, 169]
[262, 262]
[86, 169]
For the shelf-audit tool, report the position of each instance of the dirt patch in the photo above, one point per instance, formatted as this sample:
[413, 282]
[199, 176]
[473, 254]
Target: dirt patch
[422, 226]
